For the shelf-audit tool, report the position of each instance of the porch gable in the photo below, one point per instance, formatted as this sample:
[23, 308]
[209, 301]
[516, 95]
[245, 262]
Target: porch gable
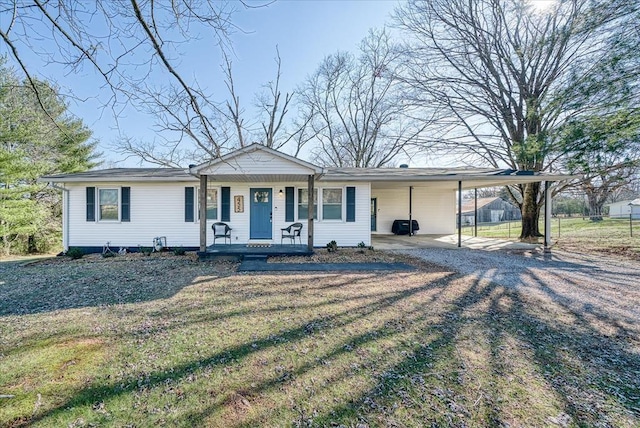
[257, 163]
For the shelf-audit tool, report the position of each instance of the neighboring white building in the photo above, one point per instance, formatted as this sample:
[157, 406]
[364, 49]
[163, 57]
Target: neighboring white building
[257, 191]
[489, 210]
[622, 209]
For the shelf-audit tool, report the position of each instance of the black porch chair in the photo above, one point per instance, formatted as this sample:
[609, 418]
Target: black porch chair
[292, 232]
[221, 230]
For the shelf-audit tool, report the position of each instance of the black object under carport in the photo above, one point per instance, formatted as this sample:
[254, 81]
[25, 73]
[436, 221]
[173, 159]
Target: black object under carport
[401, 227]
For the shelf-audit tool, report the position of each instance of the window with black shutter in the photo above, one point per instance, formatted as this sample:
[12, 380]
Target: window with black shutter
[189, 199]
[91, 203]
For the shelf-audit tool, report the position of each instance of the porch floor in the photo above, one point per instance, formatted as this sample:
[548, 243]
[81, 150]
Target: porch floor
[240, 251]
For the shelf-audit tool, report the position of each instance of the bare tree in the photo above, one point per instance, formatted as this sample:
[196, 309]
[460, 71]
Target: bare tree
[134, 46]
[505, 76]
[354, 107]
[235, 127]
[274, 109]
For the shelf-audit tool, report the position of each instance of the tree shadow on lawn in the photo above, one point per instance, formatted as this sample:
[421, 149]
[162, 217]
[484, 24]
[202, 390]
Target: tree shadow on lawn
[335, 319]
[72, 284]
[594, 377]
[474, 354]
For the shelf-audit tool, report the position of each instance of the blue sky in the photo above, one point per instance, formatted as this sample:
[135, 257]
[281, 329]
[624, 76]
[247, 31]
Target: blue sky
[304, 31]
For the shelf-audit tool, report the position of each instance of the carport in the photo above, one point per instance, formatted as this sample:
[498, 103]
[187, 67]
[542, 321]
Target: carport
[429, 195]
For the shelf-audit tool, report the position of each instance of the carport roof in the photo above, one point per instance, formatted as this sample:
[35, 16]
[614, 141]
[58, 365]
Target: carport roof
[470, 177]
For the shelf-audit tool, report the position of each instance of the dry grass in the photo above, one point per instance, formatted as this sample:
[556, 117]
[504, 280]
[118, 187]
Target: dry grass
[169, 341]
[342, 255]
[581, 235]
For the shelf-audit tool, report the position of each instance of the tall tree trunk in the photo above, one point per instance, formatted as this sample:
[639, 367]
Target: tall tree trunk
[595, 207]
[31, 244]
[530, 211]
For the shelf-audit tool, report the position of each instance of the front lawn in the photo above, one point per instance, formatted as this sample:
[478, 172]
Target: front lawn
[168, 341]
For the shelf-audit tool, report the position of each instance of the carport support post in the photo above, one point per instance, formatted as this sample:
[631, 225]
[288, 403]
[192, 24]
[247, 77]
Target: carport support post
[459, 214]
[310, 211]
[410, 210]
[547, 216]
[202, 197]
[475, 212]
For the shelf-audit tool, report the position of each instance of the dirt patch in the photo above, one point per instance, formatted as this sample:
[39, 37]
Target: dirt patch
[98, 258]
[356, 255]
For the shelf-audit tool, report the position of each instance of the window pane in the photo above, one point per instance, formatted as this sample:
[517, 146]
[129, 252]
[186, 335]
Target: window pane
[303, 212]
[332, 196]
[212, 204]
[261, 197]
[108, 196]
[331, 212]
[332, 204]
[303, 198]
[108, 200]
[108, 212]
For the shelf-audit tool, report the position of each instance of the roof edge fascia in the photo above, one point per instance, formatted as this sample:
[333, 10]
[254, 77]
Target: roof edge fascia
[45, 179]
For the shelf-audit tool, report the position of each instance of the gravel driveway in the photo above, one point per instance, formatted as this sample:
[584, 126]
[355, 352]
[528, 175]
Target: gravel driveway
[587, 284]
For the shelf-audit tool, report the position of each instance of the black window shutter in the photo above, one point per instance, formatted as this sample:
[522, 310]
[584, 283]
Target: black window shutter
[225, 214]
[351, 204]
[189, 204]
[288, 203]
[91, 204]
[125, 206]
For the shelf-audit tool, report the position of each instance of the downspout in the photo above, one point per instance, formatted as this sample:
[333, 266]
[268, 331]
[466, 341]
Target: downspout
[65, 215]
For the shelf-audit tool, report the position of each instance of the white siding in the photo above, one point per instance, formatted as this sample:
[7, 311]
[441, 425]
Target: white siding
[255, 163]
[621, 210]
[343, 232]
[347, 234]
[434, 209]
[158, 210]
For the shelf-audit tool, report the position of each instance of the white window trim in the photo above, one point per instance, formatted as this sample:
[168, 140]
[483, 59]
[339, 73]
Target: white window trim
[319, 206]
[342, 206]
[118, 204]
[196, 206]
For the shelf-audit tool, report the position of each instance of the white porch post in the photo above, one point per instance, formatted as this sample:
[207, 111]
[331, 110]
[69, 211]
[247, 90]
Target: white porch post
[310, 211]
[202, 198]
[475, 212]
[547, 216]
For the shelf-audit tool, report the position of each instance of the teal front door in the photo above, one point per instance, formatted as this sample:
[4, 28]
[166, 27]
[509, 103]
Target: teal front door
[260, 215]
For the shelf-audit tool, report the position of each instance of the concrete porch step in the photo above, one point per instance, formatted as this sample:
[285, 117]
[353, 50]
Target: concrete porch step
[255, 257]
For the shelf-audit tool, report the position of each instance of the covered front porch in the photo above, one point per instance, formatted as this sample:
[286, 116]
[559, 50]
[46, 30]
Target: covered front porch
[252, 196]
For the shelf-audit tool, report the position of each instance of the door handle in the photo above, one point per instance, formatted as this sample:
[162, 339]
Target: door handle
[270, 217]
